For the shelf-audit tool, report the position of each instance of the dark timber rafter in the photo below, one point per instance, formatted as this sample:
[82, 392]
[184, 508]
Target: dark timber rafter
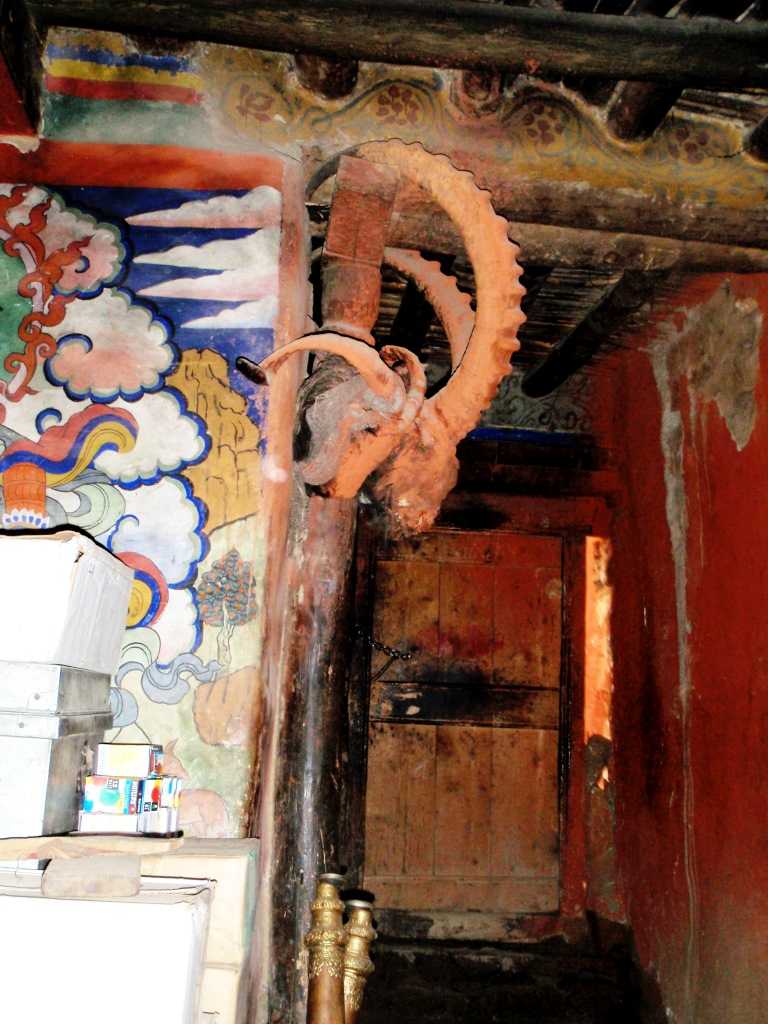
[450, 33]
[619, 302]
[637, 108]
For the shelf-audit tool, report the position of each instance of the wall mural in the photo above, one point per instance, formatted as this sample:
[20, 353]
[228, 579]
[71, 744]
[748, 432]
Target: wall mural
[121, 313]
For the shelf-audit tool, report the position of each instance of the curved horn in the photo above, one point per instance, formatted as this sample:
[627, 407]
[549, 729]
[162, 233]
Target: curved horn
[417, 381]
[384, 383]
[453, 307]
[486, 360]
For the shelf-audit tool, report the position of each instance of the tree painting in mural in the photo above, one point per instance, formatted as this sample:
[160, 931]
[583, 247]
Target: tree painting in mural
[226, 598]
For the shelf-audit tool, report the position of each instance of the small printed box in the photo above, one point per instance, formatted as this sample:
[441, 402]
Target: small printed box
[136, 760]
[159, 803]
[109, 794]
[123, 823]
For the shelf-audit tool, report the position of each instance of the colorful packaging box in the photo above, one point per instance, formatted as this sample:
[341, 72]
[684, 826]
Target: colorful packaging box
[109, 794]
[135, 760]
[159, 805]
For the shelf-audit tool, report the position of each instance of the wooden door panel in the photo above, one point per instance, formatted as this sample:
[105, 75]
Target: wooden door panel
[400, 800]
[406, 617]
[528, 611]
[462, 808]
[466, 624]
[502, 896]
[463, 818]
[439, 704]
[524, 805]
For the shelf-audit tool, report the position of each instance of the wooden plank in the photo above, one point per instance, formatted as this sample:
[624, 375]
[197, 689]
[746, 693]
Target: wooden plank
[566, 245]
[524, 515]
[462, 828]
[454, 33]
[466, 622]
[21, 70]
[385, 807]
[618, 304]
[503, 896]
[528, 609]
[420, 785]
[406, 617]
[500, 706]
[524, 804]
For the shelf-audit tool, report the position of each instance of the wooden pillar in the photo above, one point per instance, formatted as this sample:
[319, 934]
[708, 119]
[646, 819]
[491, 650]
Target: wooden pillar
[311, 782]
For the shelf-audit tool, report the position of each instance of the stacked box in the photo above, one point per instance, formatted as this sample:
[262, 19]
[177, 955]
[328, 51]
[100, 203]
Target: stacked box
[126, 802]
[51, 717]
[63, 606]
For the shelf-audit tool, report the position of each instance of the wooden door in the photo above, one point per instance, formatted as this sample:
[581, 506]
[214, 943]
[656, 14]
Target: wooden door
[462, 802]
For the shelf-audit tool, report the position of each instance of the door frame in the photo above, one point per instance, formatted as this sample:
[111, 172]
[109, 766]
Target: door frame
[572, 519]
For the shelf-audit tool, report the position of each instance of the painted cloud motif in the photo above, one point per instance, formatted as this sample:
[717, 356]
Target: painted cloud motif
[169, 438]
[259, 208]
[110, 347]
[247, 268]
[163, 521]
[138, 286]
[257, 314]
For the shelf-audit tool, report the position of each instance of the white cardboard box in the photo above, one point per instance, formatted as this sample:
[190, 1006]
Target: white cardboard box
[223, 993]
[63, 600]
[89, 961]
[233, 865]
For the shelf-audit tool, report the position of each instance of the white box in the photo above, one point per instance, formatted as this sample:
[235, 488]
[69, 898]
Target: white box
[63, 600]
[233, 865]
[223, 993]
[52, 689]
[90, 961]
[38, 782]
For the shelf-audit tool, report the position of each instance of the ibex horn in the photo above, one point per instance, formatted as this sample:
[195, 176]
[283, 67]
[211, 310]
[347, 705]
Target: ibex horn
[366, 360]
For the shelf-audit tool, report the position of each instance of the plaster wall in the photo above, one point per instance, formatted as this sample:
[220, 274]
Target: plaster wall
[691, 655]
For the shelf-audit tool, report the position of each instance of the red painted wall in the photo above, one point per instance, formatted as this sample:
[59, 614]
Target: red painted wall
[692, 776]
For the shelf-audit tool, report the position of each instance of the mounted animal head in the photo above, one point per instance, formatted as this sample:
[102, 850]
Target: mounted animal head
[363, 420]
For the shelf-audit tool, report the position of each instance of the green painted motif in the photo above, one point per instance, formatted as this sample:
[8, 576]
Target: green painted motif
[13, 309]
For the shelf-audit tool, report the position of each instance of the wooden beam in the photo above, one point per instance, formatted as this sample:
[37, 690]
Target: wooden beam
[637, 109]
[578, 204]
[627, 296]
[756, 143]
[449, 33]
[557, 245]
[20, 70]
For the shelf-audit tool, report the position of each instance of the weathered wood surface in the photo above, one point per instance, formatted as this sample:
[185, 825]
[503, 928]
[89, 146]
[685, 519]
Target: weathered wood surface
[20, 70]
[567, 246]
[312, 762]
[476, 610]
[461, 817]
[462, 799]
[330, 79]
[454, 33]
[434, 704]
[599, 327]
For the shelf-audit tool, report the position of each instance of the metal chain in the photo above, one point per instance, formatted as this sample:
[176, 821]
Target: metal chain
[391, 652]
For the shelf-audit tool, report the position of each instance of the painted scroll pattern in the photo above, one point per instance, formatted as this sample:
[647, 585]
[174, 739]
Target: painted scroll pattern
[122, 311]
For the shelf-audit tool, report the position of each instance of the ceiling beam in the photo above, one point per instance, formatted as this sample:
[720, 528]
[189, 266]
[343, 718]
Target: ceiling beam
[597, 329]
[449, 33]
[637, 109]
[557, 245]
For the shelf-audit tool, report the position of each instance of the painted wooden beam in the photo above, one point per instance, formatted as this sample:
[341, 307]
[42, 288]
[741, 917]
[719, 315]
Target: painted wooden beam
[559, 245]
[631, 292]
[450, 33]
[756, 143]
